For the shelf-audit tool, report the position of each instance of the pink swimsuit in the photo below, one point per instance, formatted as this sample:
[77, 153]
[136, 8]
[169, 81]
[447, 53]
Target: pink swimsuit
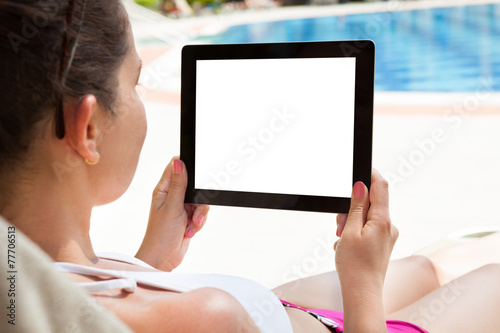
[335, 320]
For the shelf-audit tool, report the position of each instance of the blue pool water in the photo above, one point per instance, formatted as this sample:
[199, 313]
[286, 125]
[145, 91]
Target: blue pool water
[453, 49]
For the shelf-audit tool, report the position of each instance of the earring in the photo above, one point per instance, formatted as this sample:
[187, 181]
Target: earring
[94, 162]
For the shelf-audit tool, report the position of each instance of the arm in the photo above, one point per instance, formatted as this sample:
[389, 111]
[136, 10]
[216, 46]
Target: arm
[204, 310]
[172, 223]
[363, 251]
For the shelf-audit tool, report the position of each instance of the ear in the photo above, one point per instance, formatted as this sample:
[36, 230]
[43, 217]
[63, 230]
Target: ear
[81, 121]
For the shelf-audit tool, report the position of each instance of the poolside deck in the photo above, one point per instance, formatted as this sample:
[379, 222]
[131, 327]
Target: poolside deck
[440, 153]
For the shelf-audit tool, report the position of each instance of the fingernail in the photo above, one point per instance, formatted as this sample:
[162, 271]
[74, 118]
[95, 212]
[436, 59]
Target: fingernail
[177, 166]
[359, 190]
[198, 220]
[190, 233]
[341, 230]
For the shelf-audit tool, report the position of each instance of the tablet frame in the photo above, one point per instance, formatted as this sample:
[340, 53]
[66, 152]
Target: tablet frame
[362, 50]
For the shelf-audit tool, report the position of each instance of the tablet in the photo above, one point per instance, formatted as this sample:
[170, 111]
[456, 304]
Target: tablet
[278, 125]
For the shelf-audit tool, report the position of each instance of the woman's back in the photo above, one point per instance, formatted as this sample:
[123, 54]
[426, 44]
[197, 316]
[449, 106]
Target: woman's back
[265, 309]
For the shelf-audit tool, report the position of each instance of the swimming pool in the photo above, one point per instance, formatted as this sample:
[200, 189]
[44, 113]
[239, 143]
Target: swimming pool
[454, 49]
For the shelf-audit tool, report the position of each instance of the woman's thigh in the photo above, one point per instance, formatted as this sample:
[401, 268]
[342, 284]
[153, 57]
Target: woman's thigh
[458, 259]
[468, 303]
[407, 280]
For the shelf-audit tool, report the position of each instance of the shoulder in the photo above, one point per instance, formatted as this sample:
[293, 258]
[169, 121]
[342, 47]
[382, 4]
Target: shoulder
[210, 310]
[201, 310]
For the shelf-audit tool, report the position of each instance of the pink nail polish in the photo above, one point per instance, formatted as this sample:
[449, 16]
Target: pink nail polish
[341, 230]
[198, 220]
[359, 190]
[177, 166]
[190, 233]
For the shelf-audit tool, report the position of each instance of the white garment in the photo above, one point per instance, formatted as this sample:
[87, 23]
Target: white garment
[261, 304]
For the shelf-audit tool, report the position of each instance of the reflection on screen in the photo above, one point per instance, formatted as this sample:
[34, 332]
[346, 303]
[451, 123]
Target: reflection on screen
[275, 125]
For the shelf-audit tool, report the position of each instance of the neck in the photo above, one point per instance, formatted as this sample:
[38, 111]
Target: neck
[52, 216]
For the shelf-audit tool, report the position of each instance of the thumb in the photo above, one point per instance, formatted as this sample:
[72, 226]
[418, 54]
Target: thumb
[359, 207]
[177, 190]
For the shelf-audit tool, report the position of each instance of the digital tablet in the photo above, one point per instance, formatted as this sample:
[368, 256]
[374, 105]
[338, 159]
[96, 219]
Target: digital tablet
[278, 125]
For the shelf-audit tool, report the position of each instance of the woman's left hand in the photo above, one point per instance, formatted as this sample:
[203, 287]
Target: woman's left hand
[172, 223]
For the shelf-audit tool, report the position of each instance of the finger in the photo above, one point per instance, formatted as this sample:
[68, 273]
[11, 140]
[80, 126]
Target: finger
[190, 230]
[379, 194]
[197, 221]
[359, 207]
[177, 188]
[340, 217]
[161, 190]
[200, 215]
[341, 220]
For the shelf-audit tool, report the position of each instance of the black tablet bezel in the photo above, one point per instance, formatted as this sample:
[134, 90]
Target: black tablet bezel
[362, 50]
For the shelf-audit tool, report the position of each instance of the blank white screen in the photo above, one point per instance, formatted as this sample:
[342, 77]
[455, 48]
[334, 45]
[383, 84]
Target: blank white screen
[275, 125]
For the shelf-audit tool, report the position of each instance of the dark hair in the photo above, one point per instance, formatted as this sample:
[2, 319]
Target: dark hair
[33, 35]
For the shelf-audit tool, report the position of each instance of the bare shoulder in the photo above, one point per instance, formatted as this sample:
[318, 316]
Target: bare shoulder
[200, 310]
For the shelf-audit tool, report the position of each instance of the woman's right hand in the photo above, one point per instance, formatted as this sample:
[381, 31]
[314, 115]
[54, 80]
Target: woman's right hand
[367, 235]
[367, 238]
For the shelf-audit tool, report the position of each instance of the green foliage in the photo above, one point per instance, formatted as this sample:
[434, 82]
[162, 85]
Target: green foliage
[155, 4]
[149, 3]
[205, 2]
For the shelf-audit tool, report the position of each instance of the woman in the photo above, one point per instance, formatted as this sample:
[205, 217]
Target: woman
[71, 131]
